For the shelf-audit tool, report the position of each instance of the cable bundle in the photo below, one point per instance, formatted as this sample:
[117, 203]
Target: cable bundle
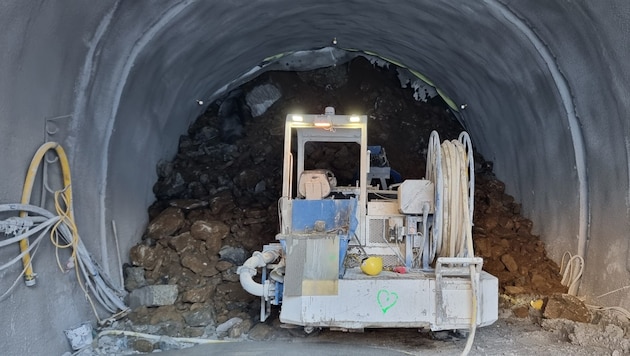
[63, 234]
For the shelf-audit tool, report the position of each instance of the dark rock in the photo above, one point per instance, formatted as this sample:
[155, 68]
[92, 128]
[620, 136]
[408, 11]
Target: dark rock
[260, 332]
[493, 266]
[565, 306]
[198, 295]
[327, 78]
[514, 290]
[251, 221]
[134, 278]
[247, 179]
[509, 262]
[166, 314]
[198, 263]
[142, 345]
[255, 213]
[164, 168]
[206, 134]
[260, 187]
[539, 282]
[166, 224]
[222, 202]
[521, 311]
[171, 186]
[140, 315]
[232, 114]
[184, 242]
[187, 279]
[482, 247]
[193, 331]
[188, 204]
[145, 256]
[235, 255]
[223, 329]
[200, 214]
[200, 317]
[233, 291]
[223, 265]
[212, 232]
[230, 275]
[197, 190]
[239, 329]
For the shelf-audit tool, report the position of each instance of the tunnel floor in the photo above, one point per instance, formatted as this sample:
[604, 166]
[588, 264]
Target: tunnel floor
[226, 179]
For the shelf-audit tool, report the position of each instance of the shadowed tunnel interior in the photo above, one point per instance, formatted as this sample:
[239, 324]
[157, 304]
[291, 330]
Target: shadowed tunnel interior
[545, 85]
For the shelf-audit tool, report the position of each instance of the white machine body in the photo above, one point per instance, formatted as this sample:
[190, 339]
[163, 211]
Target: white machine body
[326, 229]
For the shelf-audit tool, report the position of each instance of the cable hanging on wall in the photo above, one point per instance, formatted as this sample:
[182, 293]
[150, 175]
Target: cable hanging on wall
[63, 233]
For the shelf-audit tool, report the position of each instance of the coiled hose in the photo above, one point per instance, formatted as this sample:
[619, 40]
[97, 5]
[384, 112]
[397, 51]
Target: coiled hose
[450, 166]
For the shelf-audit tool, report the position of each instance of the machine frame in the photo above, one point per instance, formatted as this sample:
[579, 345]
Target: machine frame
[310, 274]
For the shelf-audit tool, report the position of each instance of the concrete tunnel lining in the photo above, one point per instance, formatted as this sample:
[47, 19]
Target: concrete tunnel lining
[129, 73]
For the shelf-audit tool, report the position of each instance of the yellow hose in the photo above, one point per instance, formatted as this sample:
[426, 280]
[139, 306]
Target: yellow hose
[29, 275]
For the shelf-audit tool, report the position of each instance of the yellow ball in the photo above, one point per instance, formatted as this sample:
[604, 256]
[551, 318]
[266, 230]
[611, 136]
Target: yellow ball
[372, 266]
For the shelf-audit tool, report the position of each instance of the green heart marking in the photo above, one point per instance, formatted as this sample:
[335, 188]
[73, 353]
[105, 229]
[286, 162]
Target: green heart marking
[386, 299]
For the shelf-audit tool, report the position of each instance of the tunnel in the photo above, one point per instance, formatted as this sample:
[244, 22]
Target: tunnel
[541, 86]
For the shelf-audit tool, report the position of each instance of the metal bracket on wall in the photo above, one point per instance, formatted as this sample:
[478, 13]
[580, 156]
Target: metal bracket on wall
[55, 129]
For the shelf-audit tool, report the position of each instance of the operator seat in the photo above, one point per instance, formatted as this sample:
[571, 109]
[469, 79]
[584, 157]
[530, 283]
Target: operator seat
[316, 184]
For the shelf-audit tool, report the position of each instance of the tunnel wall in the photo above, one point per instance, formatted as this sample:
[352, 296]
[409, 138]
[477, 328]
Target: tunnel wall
[116, 83]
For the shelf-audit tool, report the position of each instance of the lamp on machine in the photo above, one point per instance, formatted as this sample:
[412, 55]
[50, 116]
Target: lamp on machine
[297, 118]
[322, 122]
[354, 118]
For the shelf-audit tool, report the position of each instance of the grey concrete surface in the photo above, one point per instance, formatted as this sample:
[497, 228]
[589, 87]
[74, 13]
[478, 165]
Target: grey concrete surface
[287, 348]
[116, 83]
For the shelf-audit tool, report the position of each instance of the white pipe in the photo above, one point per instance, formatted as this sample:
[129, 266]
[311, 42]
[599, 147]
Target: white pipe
[159, 337]
[248, 270]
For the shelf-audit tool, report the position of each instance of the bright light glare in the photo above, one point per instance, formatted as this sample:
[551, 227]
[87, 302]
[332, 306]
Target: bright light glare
[322, 124]
[354, 118]
[297, 118]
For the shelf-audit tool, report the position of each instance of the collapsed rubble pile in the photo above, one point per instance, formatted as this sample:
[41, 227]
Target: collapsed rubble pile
[504, 239]
[217, 199]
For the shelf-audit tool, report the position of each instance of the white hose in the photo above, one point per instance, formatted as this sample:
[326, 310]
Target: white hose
[571, 272]
[248, 270]
[159, 337]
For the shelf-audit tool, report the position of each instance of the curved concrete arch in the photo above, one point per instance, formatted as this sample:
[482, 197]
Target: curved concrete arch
[545, 84]
[574, 124]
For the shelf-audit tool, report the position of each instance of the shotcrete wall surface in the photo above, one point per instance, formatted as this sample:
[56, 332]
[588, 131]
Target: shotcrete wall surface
[546, 86]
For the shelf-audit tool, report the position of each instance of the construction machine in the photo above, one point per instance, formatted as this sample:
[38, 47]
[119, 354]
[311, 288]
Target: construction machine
[355, 256]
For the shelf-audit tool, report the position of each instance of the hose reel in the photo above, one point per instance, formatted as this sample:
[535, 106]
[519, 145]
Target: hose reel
[450, 166]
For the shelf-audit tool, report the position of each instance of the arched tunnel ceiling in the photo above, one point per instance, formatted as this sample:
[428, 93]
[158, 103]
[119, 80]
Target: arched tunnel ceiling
[128, 75]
